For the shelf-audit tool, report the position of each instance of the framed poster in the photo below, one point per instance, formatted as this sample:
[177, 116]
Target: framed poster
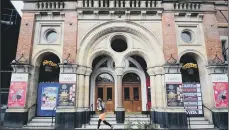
[174, 90]
[17, 95]
[220, 86]
[66, 95]
[47, 98]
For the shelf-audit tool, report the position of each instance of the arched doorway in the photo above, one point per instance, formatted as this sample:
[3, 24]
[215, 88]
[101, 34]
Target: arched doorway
[132, 99]
[191, 85]
[103, 82]
[105, 90]
[48, 84]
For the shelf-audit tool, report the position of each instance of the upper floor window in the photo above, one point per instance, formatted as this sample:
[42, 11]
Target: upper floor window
[224, 42]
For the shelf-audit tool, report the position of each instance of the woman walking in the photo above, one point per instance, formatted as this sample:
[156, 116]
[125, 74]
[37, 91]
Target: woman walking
[101, 108]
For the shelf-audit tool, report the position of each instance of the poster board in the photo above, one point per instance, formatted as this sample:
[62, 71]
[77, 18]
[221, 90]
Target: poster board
[47, 98]
[67, 90]
[220, 87]
[174, 94]
[18, 90]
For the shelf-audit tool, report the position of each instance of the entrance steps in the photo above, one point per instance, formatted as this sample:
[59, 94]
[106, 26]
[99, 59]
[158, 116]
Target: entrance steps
[200, 123]
[111, 118]
[41, 123]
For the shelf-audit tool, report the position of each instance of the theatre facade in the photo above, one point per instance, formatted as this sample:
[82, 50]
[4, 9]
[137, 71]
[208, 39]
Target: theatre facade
[164, 58]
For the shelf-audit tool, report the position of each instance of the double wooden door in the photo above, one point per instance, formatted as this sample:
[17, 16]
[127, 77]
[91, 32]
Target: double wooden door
[105, 91]
[132, 101]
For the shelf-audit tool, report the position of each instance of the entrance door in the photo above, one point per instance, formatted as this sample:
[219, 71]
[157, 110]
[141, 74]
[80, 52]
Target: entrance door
[132, 97]
[105, 91]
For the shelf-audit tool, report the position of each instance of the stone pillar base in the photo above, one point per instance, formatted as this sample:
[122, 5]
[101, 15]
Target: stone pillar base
[87, 116]
[15, 119]
[65, 120]
[80, 116]
[120, 115]
[220, 119]
[169, 119]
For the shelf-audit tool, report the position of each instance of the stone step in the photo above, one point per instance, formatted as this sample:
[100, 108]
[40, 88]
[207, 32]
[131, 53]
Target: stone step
[36, 127]
[196, 118]
[199, 122]
[114, 122]
[42, 124]
[201, 126]
[42, 120]
[114, 119]
[40, 117]
[126, 116]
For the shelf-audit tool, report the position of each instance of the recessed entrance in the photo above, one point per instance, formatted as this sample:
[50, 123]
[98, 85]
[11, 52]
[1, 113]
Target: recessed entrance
[48, 84]
[105, 90]
[132, 101]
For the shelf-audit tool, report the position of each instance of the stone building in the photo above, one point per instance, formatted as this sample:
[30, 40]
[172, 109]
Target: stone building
[164, 58]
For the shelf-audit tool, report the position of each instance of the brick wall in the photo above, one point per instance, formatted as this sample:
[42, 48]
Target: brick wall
[25, 41]
[70, 36]
[169, 36]
[212, 38]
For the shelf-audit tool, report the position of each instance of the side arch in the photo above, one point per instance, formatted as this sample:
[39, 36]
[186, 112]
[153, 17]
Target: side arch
[37, 57]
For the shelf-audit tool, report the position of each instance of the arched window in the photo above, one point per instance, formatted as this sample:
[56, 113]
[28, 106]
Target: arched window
[131, 77]
[105, 78]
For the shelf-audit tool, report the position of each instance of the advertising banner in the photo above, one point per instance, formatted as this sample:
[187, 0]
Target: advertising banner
[220, 86]
[192, 98]
[17, 94]
[174, 90]
[66, 95]
[47, 98]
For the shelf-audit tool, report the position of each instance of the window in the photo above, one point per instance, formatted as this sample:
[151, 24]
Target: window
[186, 36]
[126, 94]
[100, 93]
[104, 78]
[136, 94]
[109, 94]
[224, 49]
[51, 36]
[118, 43]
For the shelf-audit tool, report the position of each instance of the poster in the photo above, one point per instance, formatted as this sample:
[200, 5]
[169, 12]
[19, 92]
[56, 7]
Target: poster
[174, 90]
[17, 94]
[66, 95]
[192, 98]
[49, 98]
[220, 86]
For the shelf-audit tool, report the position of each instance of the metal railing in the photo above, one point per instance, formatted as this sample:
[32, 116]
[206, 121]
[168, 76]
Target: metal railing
[217, 117]
[28, 111]
[147, 110]
[188, 116]
[91, 108]
[53, 115]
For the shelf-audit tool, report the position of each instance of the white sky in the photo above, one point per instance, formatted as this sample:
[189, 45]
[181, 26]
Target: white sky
[18, 5]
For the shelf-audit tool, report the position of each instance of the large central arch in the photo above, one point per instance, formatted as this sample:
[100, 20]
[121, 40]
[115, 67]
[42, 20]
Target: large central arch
[85, 56]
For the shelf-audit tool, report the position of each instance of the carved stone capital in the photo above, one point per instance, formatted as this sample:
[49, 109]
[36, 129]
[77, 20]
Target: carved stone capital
[150, 71]
[119, 71]
[81, 70]
[69, 68]
[25, 68]
[88, 71]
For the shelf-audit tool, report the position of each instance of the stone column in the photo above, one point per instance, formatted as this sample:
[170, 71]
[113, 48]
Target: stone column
[159, 110]
[65, 115]
[17, 115]
[172, 75]
[86, 94]
[150, 71]
[80, 112]
[120, 111]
